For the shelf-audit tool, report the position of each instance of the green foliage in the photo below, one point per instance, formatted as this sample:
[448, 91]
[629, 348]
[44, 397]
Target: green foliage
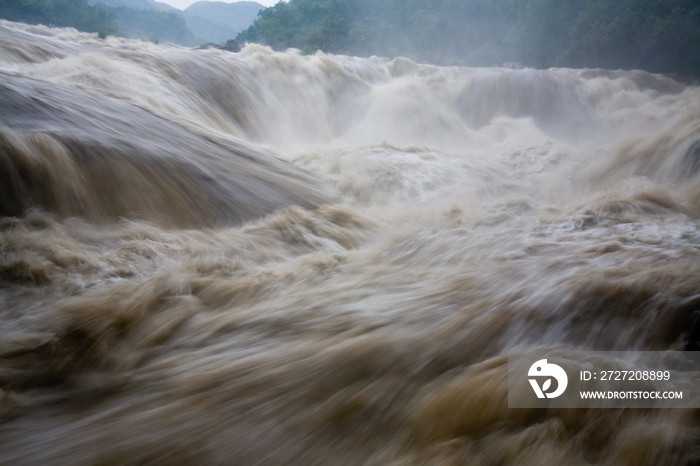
[434, 30]
[60, 13]
[106, 31]
[317, 24]
[656, 35]
[661, 35]
[308, 50]
[106, 21]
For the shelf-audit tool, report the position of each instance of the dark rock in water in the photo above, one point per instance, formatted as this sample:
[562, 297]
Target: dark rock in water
[10, 202]
[208, 45]
[692, 336]
[77, 154]
[692, 157]
[230, 46]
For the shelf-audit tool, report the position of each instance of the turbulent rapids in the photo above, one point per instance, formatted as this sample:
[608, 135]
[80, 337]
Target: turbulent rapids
[268, 258]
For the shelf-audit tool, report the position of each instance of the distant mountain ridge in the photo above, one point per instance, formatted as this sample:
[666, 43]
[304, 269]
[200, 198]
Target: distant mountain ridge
[138, 4]
[218, 21]
[157, 26]
[215, 22]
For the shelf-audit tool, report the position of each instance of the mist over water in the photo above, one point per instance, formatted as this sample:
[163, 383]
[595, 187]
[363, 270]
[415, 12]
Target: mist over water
[268, 258]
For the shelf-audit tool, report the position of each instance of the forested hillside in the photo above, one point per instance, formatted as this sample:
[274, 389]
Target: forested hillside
[62, 13]
[161, 26]
[656, 35]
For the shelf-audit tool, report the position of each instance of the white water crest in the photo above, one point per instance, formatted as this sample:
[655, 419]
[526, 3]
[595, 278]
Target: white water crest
[269, 258]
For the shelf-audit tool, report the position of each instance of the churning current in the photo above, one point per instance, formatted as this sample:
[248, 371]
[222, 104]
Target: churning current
[266, 258]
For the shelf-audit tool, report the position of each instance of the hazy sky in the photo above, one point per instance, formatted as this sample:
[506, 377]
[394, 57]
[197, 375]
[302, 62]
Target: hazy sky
[182, 4]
